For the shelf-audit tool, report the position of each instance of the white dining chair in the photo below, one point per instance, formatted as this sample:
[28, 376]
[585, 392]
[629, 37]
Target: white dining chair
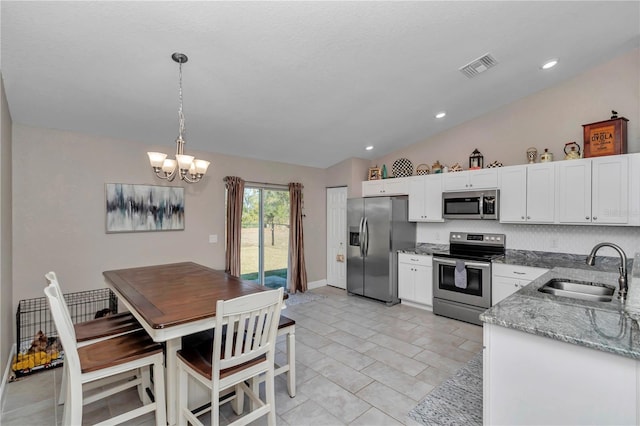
[243, 348]
[93, 331]
[97, 361]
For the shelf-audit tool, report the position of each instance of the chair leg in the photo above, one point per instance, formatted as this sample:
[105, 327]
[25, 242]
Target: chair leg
[291, 359]
[158, 392]
[73, 405]
[215, 404]
[270, 397]
[238, 402]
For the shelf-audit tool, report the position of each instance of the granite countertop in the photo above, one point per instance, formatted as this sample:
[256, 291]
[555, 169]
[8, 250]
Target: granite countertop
[425, 249]
[606, 326]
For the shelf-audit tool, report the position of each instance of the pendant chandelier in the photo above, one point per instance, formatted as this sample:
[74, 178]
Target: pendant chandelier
[190, 169]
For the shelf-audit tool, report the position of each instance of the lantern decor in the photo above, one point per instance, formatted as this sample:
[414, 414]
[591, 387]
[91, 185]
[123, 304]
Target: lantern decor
[476, 160]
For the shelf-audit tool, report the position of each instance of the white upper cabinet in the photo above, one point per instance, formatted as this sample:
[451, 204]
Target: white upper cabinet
[527, 193]
[384, 187]
[594, 190]
[470, 180]
[425, 198]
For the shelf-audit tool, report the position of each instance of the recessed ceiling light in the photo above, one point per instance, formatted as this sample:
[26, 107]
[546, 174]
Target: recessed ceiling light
[550, 64]
[369, 148]
[441, 114]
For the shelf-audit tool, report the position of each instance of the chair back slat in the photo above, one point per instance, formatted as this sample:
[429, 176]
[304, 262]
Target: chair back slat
[252, 325]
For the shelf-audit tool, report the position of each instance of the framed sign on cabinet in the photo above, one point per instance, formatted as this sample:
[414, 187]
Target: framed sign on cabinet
[605, 138]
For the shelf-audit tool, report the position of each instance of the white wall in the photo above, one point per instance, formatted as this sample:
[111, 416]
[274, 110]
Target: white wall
[6, 257]
[547, 119]
[59, 215]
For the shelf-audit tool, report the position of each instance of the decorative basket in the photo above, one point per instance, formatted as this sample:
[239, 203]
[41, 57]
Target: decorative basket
[422, 169]
[402, 167]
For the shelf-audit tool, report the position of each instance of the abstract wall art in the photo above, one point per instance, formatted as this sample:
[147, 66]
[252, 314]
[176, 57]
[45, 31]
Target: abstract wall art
[139, 208]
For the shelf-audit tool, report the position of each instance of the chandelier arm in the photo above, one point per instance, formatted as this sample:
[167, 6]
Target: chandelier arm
[193, 179]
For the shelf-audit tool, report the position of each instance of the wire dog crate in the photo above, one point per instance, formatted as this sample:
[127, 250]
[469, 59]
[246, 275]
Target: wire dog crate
[37, 341]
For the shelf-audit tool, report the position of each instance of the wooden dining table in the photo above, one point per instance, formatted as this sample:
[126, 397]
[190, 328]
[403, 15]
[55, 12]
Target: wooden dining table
[172, 301]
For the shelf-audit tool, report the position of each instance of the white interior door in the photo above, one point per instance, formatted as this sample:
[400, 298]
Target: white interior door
[337, 237]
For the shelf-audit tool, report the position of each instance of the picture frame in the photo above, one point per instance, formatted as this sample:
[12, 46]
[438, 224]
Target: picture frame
[607, 137]
[143, 208]
[374, 173]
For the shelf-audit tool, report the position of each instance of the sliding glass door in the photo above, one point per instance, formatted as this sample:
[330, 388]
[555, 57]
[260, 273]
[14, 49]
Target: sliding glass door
[264, 246]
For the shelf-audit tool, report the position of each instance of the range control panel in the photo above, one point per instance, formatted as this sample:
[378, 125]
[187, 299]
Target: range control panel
[468, 238]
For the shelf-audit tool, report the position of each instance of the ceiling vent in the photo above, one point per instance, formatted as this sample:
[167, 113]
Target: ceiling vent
[479, 65]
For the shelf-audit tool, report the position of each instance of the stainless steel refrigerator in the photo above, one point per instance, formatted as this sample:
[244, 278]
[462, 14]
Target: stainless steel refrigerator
[377, 228]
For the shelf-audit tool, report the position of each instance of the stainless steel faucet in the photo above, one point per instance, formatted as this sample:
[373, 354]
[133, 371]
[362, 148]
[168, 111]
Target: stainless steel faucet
[622, 279]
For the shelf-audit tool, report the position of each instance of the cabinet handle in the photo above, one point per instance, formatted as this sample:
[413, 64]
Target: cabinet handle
[515, 285]
[586, 217]
[415, 260]
[522, 217]
[595, 218]
[519, 273]
[528, 217]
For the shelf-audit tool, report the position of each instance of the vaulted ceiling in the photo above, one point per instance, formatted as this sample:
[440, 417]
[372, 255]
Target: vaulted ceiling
[308, 83]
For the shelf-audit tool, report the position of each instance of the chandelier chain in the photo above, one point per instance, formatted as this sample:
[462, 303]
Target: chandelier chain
[180, 113]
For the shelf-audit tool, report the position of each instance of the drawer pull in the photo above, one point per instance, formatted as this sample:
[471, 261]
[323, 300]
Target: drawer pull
[519, 273]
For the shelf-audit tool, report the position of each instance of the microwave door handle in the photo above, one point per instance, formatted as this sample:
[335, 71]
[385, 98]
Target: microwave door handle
[481, 206]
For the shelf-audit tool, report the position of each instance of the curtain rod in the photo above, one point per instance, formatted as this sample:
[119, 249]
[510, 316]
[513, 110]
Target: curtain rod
[266, 185]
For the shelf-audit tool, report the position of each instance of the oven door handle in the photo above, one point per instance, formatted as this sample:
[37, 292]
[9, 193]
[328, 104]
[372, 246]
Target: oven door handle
[453, 263]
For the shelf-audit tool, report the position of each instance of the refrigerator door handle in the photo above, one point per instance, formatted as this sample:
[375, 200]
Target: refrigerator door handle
[366, 236]
[361, 237]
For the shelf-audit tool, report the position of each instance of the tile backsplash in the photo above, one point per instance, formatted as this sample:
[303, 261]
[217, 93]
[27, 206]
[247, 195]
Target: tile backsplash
[554, 238]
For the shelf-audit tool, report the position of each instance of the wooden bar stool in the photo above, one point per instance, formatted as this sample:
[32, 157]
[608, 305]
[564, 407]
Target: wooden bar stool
[87, 364]
[243, 348]
[93, 331]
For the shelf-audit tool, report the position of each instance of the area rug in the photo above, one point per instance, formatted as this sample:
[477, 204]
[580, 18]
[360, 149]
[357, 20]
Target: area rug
[299, 298]
[457, 401]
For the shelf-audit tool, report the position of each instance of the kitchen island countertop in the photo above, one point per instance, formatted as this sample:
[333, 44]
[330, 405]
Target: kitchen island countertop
[609, 327]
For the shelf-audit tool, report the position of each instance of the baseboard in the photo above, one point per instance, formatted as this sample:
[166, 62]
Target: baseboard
[316, 284]
[5, 377]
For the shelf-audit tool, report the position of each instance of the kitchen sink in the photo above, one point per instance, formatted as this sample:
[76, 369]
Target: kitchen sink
[582, 290]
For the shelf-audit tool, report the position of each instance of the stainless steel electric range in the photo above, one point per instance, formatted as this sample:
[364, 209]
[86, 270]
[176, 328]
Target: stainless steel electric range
[462, 275]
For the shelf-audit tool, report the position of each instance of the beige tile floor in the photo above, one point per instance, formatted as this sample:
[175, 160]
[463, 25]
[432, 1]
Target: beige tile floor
[359, 362]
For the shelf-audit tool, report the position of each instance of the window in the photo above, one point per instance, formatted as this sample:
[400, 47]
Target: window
[264, 245]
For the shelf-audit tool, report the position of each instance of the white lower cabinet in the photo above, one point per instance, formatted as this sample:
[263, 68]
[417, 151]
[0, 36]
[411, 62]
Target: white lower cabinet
[415, 279]
[534, 380]
[507, 279]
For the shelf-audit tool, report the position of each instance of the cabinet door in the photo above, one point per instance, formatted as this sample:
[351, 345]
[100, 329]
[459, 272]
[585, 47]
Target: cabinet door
[433, 198]
[502, 288]
[417, 198]
[541, 193]
[397, 186]
[423, 282]
[483, 179]
[406, 288]
[456, 181]
[574, 191]
[513, 194]
[371, 188]
[610, 190]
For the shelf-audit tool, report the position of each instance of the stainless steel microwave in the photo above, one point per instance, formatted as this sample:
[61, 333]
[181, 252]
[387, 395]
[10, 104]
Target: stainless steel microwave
[471, 204]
